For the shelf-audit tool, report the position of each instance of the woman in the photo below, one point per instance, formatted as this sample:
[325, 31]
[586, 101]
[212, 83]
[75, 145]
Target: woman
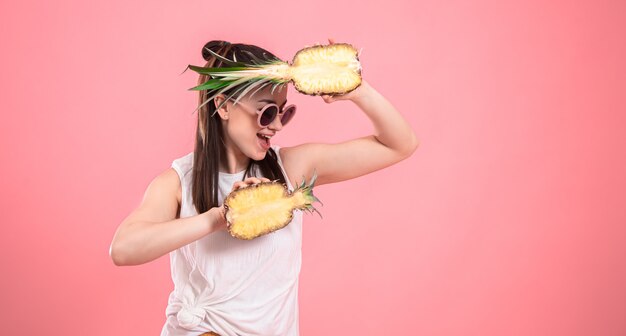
[223, 285]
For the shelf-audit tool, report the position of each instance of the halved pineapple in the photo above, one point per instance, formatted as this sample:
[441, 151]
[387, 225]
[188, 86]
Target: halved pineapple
[317, 70]
[265, 207]
[326, 69]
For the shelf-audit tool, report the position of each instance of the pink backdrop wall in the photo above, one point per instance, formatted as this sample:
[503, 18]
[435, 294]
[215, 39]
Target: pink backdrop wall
[508, 220]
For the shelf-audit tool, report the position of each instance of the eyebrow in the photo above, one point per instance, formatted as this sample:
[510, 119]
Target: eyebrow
[271, 101]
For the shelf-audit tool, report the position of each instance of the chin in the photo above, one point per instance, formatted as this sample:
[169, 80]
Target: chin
[259, 154]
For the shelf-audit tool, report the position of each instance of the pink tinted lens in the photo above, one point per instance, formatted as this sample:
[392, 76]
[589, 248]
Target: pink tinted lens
[268, 115]
[288, 114]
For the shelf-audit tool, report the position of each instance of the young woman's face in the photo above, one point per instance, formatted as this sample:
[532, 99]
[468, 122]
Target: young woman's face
[241, 128]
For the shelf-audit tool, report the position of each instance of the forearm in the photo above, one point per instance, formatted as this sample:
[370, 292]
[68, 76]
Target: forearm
[142, 242]
[392, 129]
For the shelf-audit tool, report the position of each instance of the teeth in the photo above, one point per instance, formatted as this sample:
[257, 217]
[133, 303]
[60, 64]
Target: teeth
[265, 136]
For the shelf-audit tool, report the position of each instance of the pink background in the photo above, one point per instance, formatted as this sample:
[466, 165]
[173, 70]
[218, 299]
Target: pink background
[508, 220]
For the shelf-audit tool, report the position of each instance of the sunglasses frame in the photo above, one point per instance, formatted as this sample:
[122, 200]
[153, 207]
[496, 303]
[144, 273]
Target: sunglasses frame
[280, 113]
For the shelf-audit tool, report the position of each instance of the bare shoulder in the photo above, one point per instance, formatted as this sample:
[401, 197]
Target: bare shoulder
[172, 180]
[165, 189]
[161, 200]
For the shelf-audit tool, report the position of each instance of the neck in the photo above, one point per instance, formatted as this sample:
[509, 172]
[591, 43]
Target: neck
[234, 161]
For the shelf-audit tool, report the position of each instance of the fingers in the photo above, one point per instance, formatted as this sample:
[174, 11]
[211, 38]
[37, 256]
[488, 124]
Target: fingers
[249, 181]
[255, 180]
[252, 180]
[327, 98]
[238, 184]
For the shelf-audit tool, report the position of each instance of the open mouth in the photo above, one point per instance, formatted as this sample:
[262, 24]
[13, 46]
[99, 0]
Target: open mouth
[263, 141]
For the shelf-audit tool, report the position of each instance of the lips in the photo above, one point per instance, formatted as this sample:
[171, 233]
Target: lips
[263, 142]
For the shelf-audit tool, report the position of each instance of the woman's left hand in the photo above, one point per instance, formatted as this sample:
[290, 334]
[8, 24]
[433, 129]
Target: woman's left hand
[346, 96]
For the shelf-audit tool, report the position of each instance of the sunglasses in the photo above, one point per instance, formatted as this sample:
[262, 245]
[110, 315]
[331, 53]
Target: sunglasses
[269, 112]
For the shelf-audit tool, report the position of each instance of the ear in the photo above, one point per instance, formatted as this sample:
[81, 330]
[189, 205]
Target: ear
[223, 109]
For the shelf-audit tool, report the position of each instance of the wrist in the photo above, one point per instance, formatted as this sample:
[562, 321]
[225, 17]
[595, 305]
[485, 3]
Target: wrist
[215, 219]
[362, 93]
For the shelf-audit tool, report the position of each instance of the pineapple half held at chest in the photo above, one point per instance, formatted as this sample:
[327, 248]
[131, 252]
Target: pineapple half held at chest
[265, 207]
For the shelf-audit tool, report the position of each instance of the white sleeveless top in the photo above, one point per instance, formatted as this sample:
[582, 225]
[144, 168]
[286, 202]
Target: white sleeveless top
[232, 286]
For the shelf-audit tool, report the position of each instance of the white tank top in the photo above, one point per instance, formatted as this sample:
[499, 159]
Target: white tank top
[232, 286]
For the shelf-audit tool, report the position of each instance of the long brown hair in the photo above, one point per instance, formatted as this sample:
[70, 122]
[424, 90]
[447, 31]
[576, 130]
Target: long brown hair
[209, 144]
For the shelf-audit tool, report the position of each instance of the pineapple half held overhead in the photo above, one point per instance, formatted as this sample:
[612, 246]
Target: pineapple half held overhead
[265, 207]
[330, 69]
[317, 70]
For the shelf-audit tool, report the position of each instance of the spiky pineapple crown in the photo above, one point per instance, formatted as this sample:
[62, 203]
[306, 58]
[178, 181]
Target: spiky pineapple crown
[307, 192]
[248, 76]
[334, 68]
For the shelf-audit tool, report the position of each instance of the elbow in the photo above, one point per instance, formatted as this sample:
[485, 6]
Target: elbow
[415, 144]
[412, 147]
[117, 255]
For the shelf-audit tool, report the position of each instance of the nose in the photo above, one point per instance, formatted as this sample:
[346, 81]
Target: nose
[276, 124]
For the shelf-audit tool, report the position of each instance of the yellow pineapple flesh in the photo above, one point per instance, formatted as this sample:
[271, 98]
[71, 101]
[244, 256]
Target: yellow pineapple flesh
[326, 69]
[265, 207]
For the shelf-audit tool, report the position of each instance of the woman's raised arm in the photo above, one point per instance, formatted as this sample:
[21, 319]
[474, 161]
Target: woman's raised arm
[393, 142]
